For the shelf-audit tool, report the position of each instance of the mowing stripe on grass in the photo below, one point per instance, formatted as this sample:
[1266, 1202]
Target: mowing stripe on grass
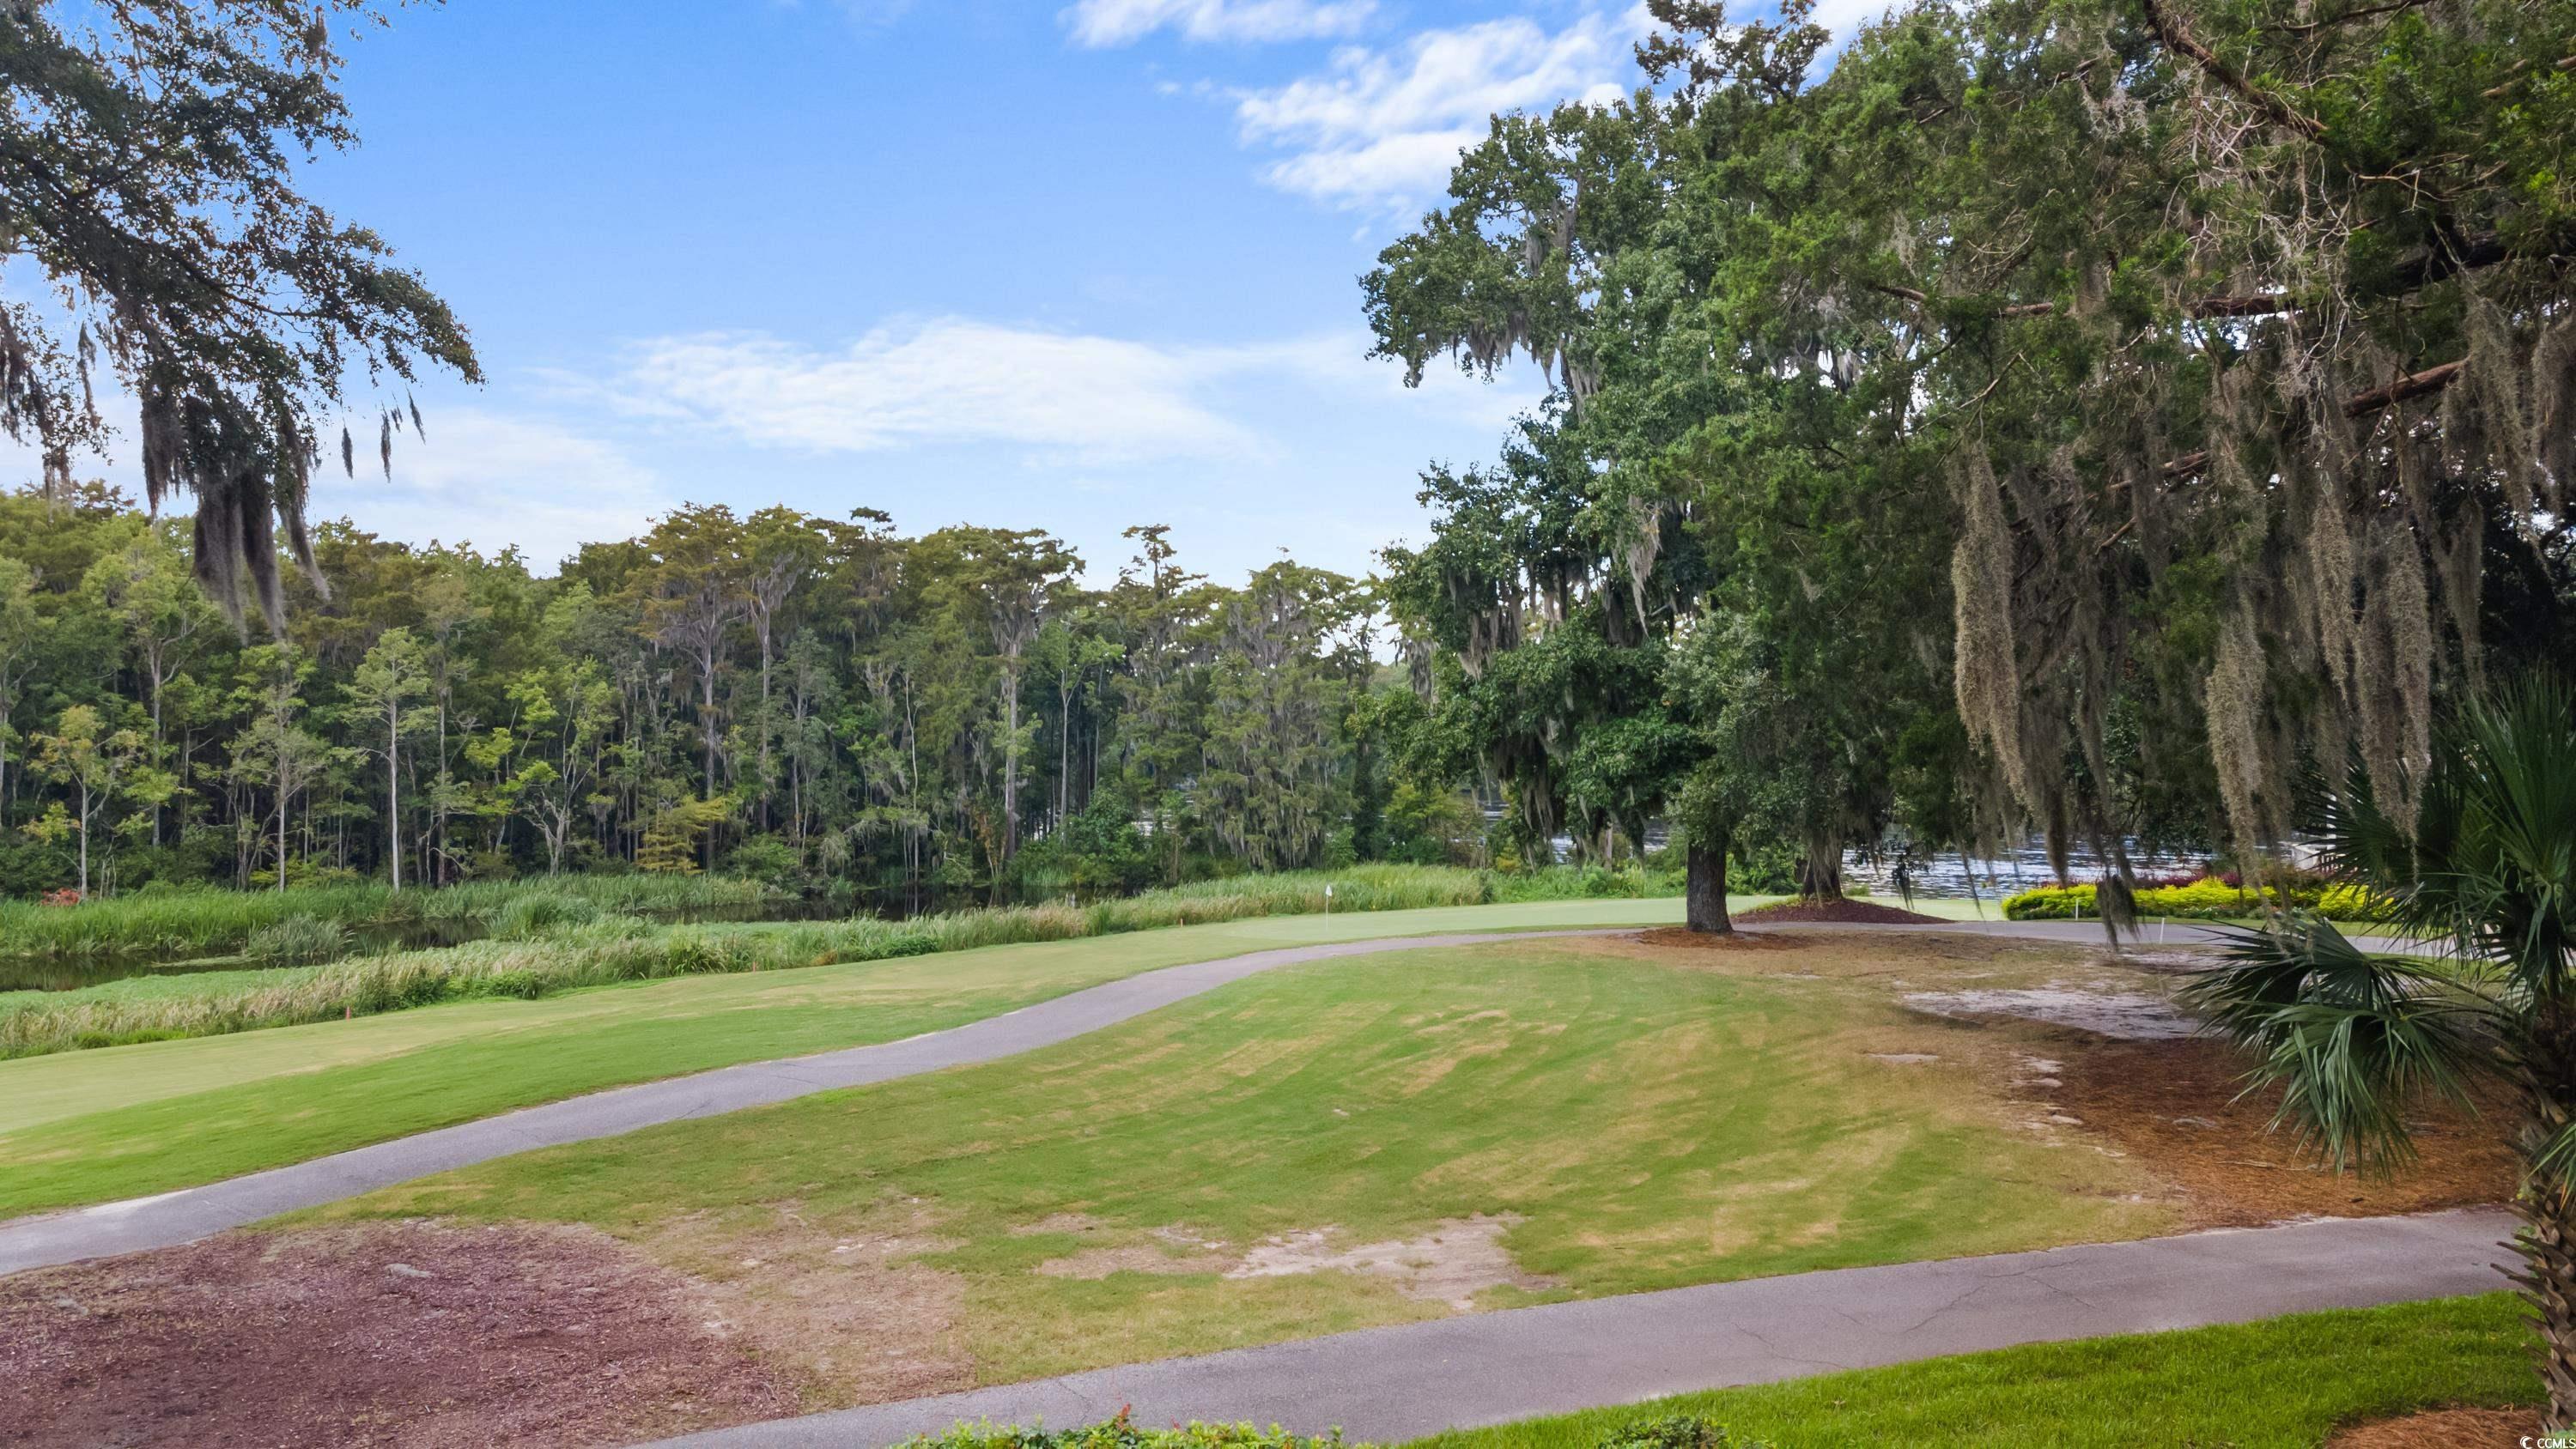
[1391, 1384]
[184, 1216]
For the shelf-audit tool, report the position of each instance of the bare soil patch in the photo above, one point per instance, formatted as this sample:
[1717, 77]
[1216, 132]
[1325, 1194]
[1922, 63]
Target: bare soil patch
[1451, 1264]
[1844, 911]
[2442, 1429]
[394, 1334]
[2124, 1015]
[1175, 1249]
[1716, 941]
[843, 1310]
[2174, 1105]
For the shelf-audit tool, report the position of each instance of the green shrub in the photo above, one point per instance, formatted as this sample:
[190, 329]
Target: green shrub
[1576, 883]
[1122, 1433]
[1675, 1431]
[297, 941]
[2207, 899]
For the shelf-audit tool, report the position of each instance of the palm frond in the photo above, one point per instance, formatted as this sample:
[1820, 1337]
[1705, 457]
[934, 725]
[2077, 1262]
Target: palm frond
[2353, 1040]
[2555, 1160]
[2349, 1075]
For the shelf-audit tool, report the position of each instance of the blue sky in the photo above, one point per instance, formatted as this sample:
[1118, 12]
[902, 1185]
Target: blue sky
[1069, 264]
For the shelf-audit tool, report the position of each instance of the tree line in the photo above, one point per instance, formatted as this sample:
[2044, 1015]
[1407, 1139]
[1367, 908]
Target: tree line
[899, 722]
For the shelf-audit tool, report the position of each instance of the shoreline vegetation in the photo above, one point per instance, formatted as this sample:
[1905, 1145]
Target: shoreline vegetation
[204, 922]
[544, 941]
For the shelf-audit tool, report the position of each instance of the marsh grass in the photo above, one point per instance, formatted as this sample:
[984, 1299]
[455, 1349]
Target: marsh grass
[544, 943]
[185, 925]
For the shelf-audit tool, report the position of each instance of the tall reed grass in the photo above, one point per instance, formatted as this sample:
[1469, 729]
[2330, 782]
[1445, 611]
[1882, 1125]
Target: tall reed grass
[184, 925]
[615, 948]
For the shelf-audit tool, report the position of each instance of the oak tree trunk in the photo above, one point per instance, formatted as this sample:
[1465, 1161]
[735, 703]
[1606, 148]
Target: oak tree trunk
[1704, 892]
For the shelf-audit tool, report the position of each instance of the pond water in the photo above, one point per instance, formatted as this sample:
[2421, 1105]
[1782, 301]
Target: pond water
[1950, 877]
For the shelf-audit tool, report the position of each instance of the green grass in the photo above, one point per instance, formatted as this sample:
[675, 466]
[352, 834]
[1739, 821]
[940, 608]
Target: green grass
[89, 1126]
[2284, 1383]
[546, 944]
[1648, 1119]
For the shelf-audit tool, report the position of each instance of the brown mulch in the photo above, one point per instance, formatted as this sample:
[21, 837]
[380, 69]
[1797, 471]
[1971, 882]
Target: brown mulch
[2174, 1106]
[396, 1334]
[2442, 1429]
[1843, 912]
[1712, 941]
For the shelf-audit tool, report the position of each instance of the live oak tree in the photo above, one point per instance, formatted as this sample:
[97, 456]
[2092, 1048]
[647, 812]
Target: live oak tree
[2224, 348]
[161, 247]
[1730, 469]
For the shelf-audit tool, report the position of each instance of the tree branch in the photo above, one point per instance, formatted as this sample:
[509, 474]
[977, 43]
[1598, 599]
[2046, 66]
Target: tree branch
[2359, 405]
[2169, 30]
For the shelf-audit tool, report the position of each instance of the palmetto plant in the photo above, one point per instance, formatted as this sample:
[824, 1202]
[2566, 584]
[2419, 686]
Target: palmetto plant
[2486, 875]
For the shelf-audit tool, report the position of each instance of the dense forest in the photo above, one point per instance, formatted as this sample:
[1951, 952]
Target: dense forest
[899, 722]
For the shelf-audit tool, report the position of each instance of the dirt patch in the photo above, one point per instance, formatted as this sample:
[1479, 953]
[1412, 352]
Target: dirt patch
[842, 1309]
[1451, 1264]
[391, 1334]
[2127, 1015]
[1176, 1249]
[1844, 912]
[2443, 1429]
[1058, 1223]
[1718, 941]
[2174, 1106]
[1097, 1263]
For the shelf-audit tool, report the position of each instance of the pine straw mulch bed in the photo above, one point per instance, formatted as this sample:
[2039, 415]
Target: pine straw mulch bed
[2443, 1429]
[1690, 940]
[1845, 912]
[395, 1334]
[2178, 1107]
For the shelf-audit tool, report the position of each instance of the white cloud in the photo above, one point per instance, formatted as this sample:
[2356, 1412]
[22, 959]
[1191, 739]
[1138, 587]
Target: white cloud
[482, 477]
[1845, 17]
[1061, 399]
[950, 379]
[496, 480]
[1124, 22]
[1383, 127]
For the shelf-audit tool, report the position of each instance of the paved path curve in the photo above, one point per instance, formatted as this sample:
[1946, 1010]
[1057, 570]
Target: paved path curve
[192, 1213]
[1388, 1384]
